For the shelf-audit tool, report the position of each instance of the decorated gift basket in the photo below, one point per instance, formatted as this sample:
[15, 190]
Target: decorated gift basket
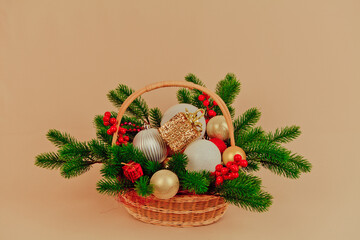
[184, 166]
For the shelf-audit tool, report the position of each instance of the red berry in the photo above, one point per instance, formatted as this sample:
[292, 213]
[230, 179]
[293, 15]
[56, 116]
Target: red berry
[206, 103]
[205, 95]
[237, 157]
[201, 98]
[117, 143]
[211, 113]
[224, 170]
[106, 119]
[207, 120]
[109, 131]
[234, 168]
[122, 130]
[215, 103]
[212, 174]
[113, 129]
[219, 181]
[217, 173]
[106, 123]
[107, 114]
[236, 175]
[121, 139]
[226, 177]
[134, 124]
[218, 167]
[232, 176]
[229, 164]
[243, 163]
[126, 138]
[112, 121]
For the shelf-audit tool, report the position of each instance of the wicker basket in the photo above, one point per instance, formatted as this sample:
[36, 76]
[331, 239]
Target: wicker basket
[180, 210]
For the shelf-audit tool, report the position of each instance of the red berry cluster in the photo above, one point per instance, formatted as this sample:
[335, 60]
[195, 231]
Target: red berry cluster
[205, 99]
[122, 139]
[228, 172]
[238, 160]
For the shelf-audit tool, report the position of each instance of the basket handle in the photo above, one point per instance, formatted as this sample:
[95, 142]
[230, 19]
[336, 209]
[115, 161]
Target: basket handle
[188, 85]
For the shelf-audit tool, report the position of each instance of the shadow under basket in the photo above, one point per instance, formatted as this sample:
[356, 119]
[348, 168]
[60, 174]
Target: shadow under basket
[178, 211]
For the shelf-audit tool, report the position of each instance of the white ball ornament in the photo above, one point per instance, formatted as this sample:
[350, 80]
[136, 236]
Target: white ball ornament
[202, 155]
[172, 111]
[150, 142]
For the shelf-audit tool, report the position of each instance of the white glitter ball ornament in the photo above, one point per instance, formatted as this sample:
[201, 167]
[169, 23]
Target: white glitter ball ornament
[151, 144]
[202, 155]
[181, 108]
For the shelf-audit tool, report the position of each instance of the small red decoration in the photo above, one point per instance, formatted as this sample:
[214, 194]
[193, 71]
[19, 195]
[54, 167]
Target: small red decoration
[243, 163]
[219, 143]
[132, 171]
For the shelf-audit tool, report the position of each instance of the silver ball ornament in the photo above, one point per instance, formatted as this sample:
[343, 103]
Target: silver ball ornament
[150, 142]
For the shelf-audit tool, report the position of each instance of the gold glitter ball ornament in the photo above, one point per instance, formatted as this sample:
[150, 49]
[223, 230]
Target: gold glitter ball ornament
[217, 128]
[166, 184]
[230, 152]
[181, 130]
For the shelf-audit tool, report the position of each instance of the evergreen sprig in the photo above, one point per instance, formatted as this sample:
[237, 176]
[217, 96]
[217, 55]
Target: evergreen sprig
[284, 135]
[178, 163]
[245, 191]
[112, 186]
[184, 96]
[138, 107]
[155, 117]
[58, 138]
[196, 182]
[228, 89]
[248, 119]
[143, 186]
[75, 167]
[49, 160]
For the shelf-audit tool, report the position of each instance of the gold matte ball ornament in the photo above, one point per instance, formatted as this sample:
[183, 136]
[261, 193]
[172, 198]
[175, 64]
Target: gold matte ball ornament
[217, 128]
[230, 152]
[166, 184]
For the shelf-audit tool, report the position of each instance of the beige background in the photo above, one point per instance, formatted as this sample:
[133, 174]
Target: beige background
[298, 62]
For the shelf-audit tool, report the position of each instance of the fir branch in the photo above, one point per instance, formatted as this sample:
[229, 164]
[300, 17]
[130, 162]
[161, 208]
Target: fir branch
[99, 150]
[103, 136]
[248, 119]
[75, 149]
[112, 186]
[143, 186]
[197, 182]
[152, 167]
[178, 163]
[249, 135]
[155, 117]
[184, 96]
[245, 191]
[273, 157]
[192, 78]
[75, 167]
[228, 88]
[284, 135]
[138, 107]
[300, 163]
[49, 160]
[113, 166]
[59, 139]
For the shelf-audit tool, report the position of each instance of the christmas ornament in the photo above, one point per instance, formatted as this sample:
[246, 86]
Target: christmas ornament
[171, 112]
[229, 154]
[217, 128]
[202, 155]
[132, 171]
[166, 184]
[151, 144]
[181, 130]
[219, 143]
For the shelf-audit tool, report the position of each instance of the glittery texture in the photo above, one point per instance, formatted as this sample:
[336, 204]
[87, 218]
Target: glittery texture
[178, 132]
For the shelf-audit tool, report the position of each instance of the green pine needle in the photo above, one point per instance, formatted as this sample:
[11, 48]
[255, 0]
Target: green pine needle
[143, 186]
[113, 186]
[49, 160]
[99, 150]
[197, 182]
[228, 88]
[248, 119]
[155, 117]
[75, 167]
[178, 163]
[184, 96]
[75, 149]
[59, 139]
[284, 135]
